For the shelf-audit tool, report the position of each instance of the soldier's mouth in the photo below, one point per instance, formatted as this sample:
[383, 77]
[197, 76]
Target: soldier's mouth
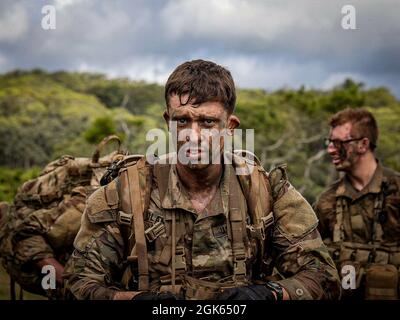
[191, 153]
[336, 160]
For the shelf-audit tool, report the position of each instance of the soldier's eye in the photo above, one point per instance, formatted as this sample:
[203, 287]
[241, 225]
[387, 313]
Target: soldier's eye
[182, 121]
[209, 122]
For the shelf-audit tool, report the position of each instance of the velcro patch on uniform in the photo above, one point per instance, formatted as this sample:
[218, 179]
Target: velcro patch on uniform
[103, 216]
[87, 234]
[111, 194]
[294, 216]
[98, 210]
[220, 231]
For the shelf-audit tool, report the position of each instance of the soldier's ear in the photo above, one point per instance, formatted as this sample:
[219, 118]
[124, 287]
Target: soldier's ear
[233, 122]
[364, 145]
[166, 116]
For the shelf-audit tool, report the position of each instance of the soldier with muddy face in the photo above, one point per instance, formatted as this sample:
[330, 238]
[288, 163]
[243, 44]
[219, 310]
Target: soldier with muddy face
[360, 213]
[193, 230]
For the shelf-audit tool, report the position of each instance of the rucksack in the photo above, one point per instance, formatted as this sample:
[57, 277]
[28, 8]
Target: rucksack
[48, 209]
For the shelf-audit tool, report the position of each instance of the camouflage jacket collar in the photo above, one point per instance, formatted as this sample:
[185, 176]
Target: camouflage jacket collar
[176, 196]
[345, 189]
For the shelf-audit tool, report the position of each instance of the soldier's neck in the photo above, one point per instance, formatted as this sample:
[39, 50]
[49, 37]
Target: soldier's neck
[363, 172]
[199, 179]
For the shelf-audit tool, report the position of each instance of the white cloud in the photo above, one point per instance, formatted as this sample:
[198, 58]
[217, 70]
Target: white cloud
[150, 68]
[13, 22]
[235, 18]
[60, 4]
[251, 72]
[302, 27]
[266, 44]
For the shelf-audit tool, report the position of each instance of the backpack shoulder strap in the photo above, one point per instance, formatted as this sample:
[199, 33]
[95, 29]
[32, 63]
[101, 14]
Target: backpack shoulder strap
[338, 231]
[342, 225]
[161, 174]
[135, 183]
[237, 232]
[257, 192]
[256, 188]
[380, 215]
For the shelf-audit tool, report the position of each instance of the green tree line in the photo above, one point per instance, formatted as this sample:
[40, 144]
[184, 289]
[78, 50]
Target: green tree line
[45, 115]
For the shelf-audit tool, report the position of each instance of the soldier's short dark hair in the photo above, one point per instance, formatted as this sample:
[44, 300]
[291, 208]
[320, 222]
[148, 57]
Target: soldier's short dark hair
[363, 123]
[203, 81]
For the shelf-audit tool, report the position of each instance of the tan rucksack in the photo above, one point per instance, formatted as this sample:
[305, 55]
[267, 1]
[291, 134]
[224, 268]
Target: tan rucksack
[46, 212]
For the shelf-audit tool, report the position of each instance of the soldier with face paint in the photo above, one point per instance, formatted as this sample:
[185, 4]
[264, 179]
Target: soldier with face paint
[359, 215]
[199, 230]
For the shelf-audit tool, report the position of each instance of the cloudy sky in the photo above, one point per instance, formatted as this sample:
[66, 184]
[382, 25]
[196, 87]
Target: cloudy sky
[265, 43]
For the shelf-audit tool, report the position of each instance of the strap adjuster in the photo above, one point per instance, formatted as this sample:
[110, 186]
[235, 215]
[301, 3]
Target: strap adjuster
[239, 265]
[268, 220]
[180, 261]
[257, 232]
[124, 218]
[154, 231]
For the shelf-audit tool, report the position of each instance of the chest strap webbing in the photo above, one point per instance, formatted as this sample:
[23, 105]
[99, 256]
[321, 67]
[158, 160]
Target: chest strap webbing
[171, 252]
[338, 229]
[343, 219]
[135, 199]
[236, 221]
[377, 231]
[257, 192]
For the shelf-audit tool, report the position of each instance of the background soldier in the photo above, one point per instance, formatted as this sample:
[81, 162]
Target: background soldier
[39, 228]
[359, 213]
[199, 231]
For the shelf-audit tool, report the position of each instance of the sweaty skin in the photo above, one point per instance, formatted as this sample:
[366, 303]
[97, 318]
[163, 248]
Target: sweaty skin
[353, 158]
[201, 185]
[297, 249]
[361, 185]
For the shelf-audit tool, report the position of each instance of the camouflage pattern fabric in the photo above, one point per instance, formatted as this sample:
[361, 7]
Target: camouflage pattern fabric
[361, 207]
[46, 233]
[45, 217]
[98, 264]
[370, 233]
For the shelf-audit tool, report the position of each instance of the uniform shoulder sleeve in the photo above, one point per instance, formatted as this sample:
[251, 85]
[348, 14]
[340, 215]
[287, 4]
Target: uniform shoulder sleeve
[293, 215]
[101, 209]
[302, 258]
[393, 177]
[102, 205]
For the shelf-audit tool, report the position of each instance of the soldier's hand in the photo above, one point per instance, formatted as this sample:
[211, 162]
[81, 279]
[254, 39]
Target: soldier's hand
[164, 296]
[59, 268]
[252, 292]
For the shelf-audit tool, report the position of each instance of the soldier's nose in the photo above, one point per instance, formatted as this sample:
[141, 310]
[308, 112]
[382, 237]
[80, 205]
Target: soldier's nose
[193, 134]
[331, 149]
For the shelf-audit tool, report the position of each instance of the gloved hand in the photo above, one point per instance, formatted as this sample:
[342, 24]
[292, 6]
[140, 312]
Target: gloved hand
[148, 295]
[252, 292]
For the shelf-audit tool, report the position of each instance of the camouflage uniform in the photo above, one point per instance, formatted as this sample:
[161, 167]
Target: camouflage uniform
[45, 217]
[362, 227]
[46, 233]
[4, 207]
[203, 242]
